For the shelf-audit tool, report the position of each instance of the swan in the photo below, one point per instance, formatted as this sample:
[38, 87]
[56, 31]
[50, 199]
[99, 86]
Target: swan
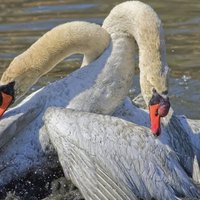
[98, 87]
[116, 157]
[24, 143]
[107, 157]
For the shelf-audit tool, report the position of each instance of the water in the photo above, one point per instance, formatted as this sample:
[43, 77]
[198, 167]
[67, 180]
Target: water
[22, 22]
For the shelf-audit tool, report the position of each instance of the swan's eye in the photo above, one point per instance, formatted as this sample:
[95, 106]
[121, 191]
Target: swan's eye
[155, 99]
[165, 92]
[8, 88]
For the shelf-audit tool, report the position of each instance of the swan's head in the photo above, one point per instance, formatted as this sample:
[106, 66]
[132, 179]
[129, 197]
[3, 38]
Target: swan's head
[6, 96]
[158, 107]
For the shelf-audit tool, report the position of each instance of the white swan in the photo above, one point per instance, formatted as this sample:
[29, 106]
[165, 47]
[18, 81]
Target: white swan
[110, 158]
[99, 87]
[110, 90]
[21, 126]
[57, 44]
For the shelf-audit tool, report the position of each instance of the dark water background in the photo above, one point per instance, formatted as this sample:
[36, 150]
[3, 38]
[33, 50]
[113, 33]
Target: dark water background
[23, 21]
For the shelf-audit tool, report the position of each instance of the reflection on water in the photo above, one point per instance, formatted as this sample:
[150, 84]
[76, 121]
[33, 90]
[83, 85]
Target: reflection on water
[23, 21]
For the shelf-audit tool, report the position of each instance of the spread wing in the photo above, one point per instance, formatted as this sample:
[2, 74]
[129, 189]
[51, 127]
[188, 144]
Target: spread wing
[109, 158]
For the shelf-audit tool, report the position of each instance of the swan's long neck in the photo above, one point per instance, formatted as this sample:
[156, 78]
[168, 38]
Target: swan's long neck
[138, 20]
[62, 41]
[113, 77]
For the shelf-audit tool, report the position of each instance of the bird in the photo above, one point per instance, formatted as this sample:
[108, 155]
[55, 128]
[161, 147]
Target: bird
[116, 157]
[99, 87]
[21, 127]
[58, 43]
[108, 157]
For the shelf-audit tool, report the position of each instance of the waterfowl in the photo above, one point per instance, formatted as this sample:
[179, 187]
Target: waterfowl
[107, 157]
[110, 158]
[99, 87]
[21, 127]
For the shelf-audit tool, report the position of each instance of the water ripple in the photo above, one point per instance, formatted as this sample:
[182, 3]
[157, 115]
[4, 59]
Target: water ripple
[53, 8]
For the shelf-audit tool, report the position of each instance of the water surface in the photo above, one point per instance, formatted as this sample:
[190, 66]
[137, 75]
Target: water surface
[23, 21]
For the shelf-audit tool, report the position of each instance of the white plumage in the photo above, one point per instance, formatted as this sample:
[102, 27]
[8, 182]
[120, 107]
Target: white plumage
[100, 87]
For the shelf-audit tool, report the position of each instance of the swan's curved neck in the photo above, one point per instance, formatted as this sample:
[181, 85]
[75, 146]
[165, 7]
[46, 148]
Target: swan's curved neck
[62, 41]
[138, 20]
[112, 79]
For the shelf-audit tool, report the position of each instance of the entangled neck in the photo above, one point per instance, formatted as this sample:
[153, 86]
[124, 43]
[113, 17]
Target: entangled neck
[138, 20]
[57, 44]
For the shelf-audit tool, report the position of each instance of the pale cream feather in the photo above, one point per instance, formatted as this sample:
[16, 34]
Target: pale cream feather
[62, 41]
[138, 20]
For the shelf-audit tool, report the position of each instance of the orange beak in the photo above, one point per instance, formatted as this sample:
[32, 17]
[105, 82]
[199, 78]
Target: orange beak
[155, 119]
[6, 96]
[158, 107]
[6, 101]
